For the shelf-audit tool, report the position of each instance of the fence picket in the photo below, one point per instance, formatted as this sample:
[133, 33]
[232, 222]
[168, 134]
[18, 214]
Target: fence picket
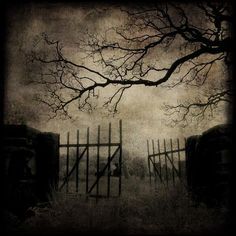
[77, 161]
[98, 157]
[108, 160]
[67, 161]
[87, 163]
[154, 162]
[120, 157]
[167, 178]
[172, 159]
[179, 158]
[159, 151]
[149, 166]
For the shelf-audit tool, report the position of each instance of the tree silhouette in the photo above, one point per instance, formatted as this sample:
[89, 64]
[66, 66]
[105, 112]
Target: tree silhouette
[158, 44]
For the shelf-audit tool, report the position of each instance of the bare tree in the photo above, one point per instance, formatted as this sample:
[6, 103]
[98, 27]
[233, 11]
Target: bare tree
[159, 44]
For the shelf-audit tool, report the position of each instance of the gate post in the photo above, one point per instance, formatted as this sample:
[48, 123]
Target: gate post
[149, 167]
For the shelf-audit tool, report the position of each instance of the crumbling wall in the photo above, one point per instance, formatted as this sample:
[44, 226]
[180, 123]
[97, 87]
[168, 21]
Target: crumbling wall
[208, 164]
[31, 166]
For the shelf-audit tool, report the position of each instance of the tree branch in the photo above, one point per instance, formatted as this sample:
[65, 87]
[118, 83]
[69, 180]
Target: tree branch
[131, 56]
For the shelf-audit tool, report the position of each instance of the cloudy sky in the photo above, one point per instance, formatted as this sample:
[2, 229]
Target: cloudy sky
[140, 107]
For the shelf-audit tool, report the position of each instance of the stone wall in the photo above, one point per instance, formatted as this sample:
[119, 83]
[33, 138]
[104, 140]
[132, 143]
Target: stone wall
[208, 164]
[31, 166]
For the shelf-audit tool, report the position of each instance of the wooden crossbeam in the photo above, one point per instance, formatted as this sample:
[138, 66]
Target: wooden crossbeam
[156, 169]
[167, 152]
[90, 145]
[72, 170]
[103, 170]
[172, 164]
[177, 172]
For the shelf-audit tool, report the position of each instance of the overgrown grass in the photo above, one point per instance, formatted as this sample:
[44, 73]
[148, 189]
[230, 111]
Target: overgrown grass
[140, 210]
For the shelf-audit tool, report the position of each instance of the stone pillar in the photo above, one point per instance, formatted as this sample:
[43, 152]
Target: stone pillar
[47, 159]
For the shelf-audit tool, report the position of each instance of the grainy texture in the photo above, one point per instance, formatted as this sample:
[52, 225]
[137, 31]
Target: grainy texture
[140, 106]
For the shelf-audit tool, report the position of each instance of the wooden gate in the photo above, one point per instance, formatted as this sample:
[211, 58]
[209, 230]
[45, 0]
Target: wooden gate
[102, 169]
[166, 163]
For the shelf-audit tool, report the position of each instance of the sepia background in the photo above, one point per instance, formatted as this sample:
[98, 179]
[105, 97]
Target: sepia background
[147, 204]
[140, 107]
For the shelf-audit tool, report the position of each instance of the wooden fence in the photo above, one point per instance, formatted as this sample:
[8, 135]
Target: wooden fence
[83, 151]
[166, 163]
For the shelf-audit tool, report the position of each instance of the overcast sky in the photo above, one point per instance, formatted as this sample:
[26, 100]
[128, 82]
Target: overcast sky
[140, 108]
